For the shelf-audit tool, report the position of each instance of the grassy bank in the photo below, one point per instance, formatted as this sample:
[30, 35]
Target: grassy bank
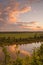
[20, 34]
[20, 37]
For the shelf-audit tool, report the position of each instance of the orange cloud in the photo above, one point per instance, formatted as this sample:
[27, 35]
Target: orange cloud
[11, 17]
[30, 26]
[25, 9]
[14, 14]
[33, 22]
[26, 27]
[37, 28]
[12, 11]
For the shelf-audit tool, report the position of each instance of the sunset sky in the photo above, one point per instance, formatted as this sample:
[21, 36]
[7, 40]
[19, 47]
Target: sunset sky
[21, 15]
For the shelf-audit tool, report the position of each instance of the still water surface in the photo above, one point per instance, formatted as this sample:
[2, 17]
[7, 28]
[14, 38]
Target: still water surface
[25, 49]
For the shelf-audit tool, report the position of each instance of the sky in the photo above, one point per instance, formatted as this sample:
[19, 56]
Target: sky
[21, 15]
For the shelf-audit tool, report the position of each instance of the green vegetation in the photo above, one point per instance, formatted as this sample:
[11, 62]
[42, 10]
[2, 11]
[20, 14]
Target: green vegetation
[20, 34]
[35, 59]
[20, 38]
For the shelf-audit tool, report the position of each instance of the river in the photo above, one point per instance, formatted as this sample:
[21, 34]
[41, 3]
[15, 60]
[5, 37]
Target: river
[25, 49]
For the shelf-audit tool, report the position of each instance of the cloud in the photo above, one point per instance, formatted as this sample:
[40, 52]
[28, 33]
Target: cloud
[32, 1]
[27, 24]
[32, 26]
[22, 26]
[25, 9]
[10, 11]
[13, 15]
[37, 28]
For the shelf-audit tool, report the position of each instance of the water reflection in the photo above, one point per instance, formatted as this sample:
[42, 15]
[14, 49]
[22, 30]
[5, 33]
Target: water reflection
[30, 47]
[25, 49]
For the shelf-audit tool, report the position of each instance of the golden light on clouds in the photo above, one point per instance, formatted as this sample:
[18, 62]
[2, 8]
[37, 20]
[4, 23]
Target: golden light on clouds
[14, 14]
[25, 9]
[27, 14]
[34, 26]
[37, 28]
[12, 18]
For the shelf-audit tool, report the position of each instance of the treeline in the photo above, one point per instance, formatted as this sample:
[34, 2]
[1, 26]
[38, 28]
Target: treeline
[12, 40]
[35, 59]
